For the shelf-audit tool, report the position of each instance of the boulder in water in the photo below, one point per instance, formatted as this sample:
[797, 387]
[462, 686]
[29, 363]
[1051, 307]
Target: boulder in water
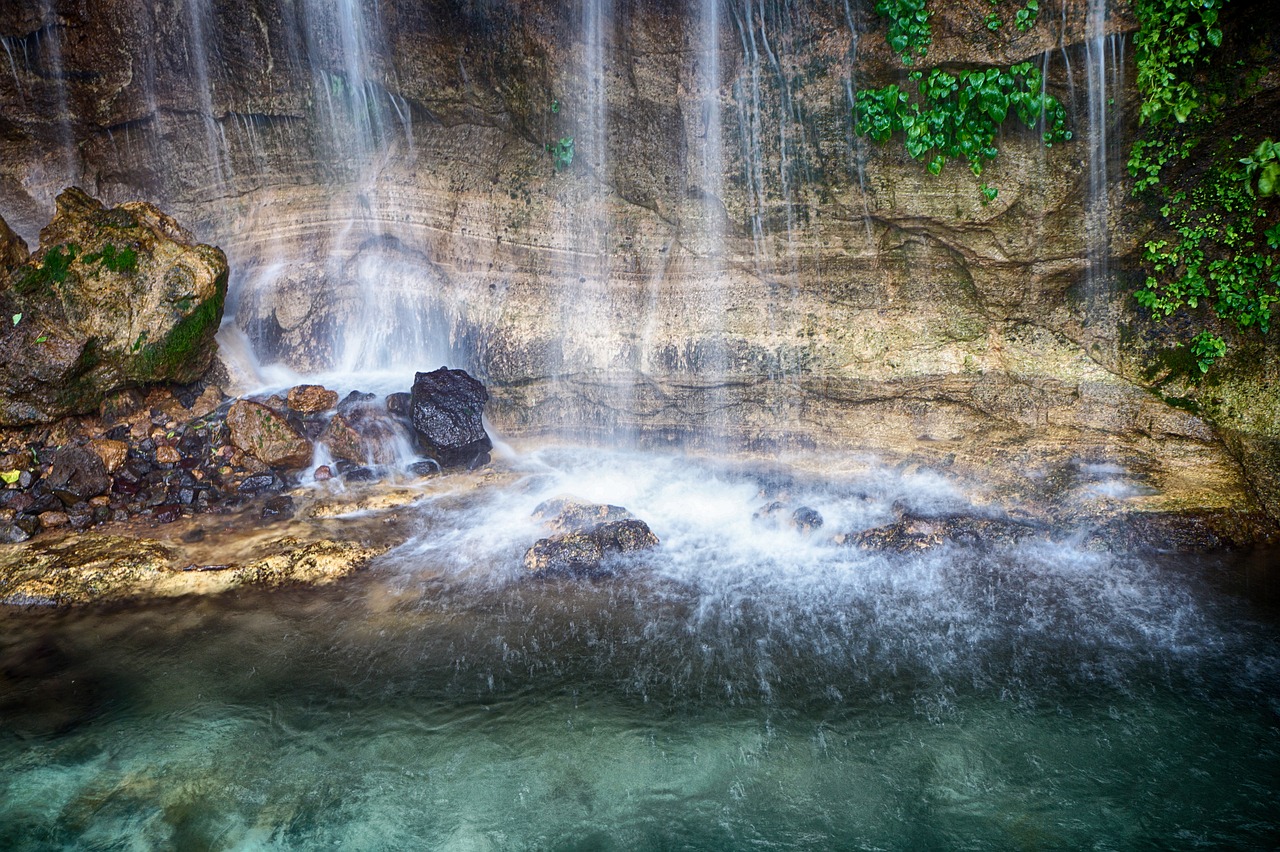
[447, 407]
[917, 532]
[113, 298]
[269, 437]
[586, 534]
[310, 399]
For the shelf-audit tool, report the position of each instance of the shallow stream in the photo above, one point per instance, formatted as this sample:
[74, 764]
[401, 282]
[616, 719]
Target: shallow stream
[746, 686]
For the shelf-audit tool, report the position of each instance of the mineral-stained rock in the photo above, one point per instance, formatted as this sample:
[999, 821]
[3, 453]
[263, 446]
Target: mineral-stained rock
[267, 436]
[309, 399]
[13, 249]
[112, 298]
[447, 409]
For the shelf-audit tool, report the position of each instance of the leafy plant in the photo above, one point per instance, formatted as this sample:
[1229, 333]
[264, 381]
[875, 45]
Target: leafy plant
[993, 22]
[909, 33]
[1209, 249]
[1262, 169]
[562, 153]
[1025, 18]
[959, 115]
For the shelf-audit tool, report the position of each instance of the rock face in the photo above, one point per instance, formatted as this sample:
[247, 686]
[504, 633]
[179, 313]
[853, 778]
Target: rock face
[13, 249]
[828, 292]
[112, 298]
[586, 535]
[267, 435]
[447, 408]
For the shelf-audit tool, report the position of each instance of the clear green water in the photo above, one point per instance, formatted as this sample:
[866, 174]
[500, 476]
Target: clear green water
[745, 688]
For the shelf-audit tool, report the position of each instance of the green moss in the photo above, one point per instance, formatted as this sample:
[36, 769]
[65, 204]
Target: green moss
[53, 269]
[168, 357]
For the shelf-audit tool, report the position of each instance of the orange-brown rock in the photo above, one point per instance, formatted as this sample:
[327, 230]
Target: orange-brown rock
[266, 435]
[309, 399]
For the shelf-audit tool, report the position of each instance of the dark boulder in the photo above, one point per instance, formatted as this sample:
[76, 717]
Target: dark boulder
[447, 408]
[78, 474]
[586, 535]
[917, 532]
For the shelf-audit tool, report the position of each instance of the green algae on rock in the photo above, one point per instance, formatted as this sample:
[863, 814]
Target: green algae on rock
[113, 298]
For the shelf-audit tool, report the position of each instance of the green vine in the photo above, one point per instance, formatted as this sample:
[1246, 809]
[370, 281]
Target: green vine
[1212, 247]
[954, 115]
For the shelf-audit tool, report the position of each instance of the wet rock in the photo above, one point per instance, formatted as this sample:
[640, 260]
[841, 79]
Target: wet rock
[112, 299]
[569, 514]
[112, 452]
[806, 519]
[78, 474]
[363, 433]
[263, 433]
[447, 408]
[401, 404]
[88, 567]
[278, 508]
[780, 514]
[260, 483]
[916, 532]
[166, 454]
[54, 520]
[424, 468]
[11, 533]
[359, 474]
[13, 249]
[310, 399]
[323, 473]
[586, 535]
[166, 513]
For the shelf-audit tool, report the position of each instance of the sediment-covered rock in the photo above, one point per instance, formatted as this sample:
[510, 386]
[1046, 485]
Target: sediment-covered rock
[447, 410]
[112, 298]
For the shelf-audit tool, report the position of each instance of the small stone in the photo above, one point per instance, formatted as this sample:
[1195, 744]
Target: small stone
[100, 500]
[260, 482]
[278, 508]
[112, 452]
[54, 520]
[323, 473]
[400, 403]
[360, 474]
[167, 455]
[264, 433]
[167, 513]
[310, 399]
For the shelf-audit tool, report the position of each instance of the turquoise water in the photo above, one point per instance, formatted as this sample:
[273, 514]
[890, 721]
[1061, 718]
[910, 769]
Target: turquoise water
[743, 688]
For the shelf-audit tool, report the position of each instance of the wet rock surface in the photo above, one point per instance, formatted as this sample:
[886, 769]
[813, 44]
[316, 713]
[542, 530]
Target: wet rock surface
[13, 249]
[112, 298]
[586, 535]
[447, 408]
[267, 435]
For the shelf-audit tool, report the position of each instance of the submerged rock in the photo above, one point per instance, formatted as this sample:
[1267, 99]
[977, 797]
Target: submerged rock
[586, 534]
[917, 532]
[268, 436]
[447, 407]
[362, 432]
[112, 298]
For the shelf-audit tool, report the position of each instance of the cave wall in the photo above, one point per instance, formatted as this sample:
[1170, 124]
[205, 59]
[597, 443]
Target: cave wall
[812, 290]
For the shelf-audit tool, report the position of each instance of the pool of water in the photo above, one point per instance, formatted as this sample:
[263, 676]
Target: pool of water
[746, 686]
